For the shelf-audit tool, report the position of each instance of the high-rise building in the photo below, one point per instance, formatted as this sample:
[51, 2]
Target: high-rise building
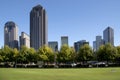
[78, 44]
[11, 34]
[38, 27]
[53, 45]
[64, 40]
[94, 45]
[24, 40]
[108, 36]
[97, 43]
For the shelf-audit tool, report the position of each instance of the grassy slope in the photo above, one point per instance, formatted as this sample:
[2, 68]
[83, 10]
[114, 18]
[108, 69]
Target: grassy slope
[60, 74]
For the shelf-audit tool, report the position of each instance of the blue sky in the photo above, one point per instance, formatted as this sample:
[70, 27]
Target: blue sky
[78, 19]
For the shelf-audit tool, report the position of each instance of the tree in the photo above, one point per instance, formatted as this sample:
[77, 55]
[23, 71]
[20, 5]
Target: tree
[46, 54]
[101, 55]
[66, 54]
[118, 54]
[23, 53]
[2, 54]
[73, 54]
[7, 54]
[15, 53]
[1, 57]
[32, 55]
[106, 53]
[85, 53]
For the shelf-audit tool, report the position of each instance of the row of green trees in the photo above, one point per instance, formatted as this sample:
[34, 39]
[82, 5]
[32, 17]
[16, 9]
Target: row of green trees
[66, 54]
[26, 55]
[108, 53]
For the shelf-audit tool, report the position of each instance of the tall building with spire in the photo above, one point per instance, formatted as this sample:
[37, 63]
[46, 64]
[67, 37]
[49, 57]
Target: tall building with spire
[38, 27]
[11, 34]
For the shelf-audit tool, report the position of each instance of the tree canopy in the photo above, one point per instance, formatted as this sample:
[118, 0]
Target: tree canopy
[46, 54]
[85, 53]
[106, 52]
[66, 54]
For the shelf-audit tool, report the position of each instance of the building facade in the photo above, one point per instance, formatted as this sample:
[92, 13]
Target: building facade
[53, 45]
[24, 40]
[99, 42]
[94, 46]
[64, 40]
[11, 34]
[38, 27]
[108, 36]
[78, 44]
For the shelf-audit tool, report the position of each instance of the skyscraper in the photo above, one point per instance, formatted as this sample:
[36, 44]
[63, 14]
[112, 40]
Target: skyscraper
[99, 42]
[64, 40]
[53, 45]
[38, 27]
[108, 36]
[24, 40]
[78, 44]
[94, 45]
[11, 34]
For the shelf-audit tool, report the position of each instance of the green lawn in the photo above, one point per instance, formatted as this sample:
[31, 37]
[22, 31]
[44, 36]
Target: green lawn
[60, 74]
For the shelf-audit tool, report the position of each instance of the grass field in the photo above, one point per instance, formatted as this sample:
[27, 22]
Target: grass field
[60, 74]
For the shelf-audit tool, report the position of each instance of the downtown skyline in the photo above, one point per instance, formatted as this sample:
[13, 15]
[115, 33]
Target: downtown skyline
[76, 29]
